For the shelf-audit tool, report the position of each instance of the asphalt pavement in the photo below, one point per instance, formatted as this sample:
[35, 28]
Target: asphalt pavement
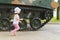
[48, 32]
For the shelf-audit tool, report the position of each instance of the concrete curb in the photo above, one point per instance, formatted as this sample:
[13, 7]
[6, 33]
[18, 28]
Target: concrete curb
[53, 22]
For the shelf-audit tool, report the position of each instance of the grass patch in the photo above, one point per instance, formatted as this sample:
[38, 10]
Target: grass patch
[54, 20]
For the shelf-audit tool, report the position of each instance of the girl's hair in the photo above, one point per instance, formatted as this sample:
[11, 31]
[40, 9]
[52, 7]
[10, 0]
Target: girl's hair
[12, 16]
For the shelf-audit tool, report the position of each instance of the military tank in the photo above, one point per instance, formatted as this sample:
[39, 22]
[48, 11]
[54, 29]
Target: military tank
[36, 13]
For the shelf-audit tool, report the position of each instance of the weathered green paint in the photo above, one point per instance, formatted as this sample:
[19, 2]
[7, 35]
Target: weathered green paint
[41, 3]
[5, 1]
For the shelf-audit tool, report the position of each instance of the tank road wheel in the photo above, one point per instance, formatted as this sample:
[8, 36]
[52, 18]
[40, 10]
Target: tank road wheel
[23, 25]
[35, 23]
[11, 26]
[4, 25]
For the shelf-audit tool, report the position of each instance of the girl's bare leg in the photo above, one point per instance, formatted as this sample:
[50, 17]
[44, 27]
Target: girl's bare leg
[16, 29]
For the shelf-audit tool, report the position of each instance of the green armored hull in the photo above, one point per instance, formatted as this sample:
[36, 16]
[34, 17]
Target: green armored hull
[32, 11]
[40, 3]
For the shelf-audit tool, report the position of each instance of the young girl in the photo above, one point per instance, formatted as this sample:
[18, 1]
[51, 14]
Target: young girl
[16, 20]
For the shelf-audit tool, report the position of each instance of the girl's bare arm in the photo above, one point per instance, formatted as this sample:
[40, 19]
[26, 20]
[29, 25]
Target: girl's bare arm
[20, 19]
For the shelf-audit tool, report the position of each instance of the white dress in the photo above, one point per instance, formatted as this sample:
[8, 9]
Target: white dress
[15, 21]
